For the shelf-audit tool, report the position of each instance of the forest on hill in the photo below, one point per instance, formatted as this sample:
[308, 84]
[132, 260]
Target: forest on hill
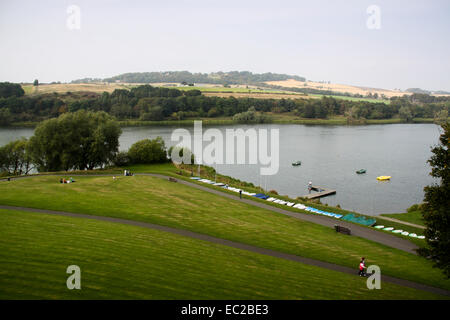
[223, 78]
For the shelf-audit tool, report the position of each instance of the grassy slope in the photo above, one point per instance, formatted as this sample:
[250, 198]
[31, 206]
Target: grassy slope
[128, 262]
[166, 203]
[168, 169]
[412, 217]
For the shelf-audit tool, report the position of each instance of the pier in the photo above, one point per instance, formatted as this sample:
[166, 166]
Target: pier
[321, 192]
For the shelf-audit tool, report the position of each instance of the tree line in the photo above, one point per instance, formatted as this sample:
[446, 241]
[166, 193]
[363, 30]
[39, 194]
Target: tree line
[232, 77]
[82, 140]
[150, 103]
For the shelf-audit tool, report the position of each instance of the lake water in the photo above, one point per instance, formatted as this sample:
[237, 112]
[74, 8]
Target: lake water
[330, 155]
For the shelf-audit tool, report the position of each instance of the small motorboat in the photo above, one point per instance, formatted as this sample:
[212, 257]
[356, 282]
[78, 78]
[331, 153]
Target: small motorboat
[383, 178]
[361, 171]
[296, 163]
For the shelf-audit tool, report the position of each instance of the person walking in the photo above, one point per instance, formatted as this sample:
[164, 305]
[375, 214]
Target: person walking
[362, 266]
[240, 194]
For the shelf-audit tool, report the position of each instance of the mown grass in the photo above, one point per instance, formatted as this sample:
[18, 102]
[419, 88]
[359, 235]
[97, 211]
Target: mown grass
[127, 262]
[208, 172]
[412, 217]
[162, 202]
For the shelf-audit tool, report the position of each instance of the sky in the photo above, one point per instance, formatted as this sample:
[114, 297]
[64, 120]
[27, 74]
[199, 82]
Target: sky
[405, 46]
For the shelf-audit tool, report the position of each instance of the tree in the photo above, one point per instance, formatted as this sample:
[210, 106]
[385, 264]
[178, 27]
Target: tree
[405, 113]
[5, 117]
[441, 117]
[36, 82]
[154, 114]
[15, 158]
[148, 151]
[10, 90]
[436, 207]
[80, 140]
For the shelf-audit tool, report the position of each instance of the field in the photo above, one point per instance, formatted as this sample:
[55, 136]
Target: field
[266, 95]
[110, 87]
[158, 201]
[207, 90]
[126, 262]
[75, 87]
[337, 87]
[350, 98]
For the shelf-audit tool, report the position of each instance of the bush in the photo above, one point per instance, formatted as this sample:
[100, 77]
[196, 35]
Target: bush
[181, 152]
[251, 116]
[148, 151]
[413, 208]
[122, 159]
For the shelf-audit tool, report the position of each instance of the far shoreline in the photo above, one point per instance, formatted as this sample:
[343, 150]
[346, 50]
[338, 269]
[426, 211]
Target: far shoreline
[208, 121]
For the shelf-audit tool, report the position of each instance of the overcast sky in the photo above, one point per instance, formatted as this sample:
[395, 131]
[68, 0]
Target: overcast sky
[320, 40]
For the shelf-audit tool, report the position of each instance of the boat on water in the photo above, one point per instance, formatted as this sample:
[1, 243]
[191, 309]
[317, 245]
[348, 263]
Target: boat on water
[360, 171]
[383, 178]
[296, 163]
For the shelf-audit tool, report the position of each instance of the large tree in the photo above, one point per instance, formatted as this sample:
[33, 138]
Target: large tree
[15, 158]
[8, 89]
[436, 209]
[80, 140]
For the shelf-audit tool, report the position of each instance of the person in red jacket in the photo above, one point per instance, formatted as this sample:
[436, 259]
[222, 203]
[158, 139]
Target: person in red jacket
[362, 266]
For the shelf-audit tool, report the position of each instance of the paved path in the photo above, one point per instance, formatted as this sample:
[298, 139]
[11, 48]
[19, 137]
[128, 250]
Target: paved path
[359, 231]
[403, 222]
[237, 245]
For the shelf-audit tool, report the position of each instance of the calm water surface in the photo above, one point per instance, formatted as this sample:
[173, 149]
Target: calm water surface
[330, 156]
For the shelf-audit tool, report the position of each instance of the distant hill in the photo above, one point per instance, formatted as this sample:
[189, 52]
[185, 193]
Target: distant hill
[422, 91]
[232, 77]
[441, 92]
[418, 90]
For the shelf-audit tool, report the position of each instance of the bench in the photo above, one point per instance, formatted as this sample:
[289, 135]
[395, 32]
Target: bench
[172, 179]
[342, 230]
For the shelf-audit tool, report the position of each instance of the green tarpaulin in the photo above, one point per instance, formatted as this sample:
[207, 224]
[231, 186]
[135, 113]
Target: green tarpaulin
[361, 220]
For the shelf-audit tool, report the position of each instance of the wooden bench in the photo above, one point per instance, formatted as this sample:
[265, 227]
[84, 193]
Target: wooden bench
[172, 179]
[342, 230]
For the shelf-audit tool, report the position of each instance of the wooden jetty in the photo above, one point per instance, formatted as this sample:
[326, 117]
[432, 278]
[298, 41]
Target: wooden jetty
[321, 192]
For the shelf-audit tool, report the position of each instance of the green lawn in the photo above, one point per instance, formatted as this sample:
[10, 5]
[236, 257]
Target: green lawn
[127, 262]
[412, 217]
[208, 172]
[162, 202]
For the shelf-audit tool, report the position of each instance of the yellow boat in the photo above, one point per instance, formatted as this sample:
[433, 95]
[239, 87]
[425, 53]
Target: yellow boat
[382, 178]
